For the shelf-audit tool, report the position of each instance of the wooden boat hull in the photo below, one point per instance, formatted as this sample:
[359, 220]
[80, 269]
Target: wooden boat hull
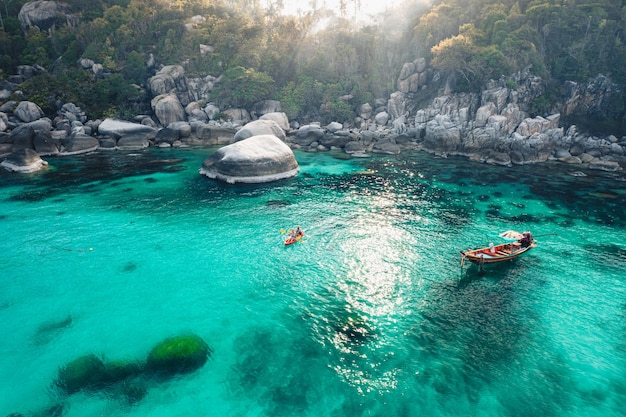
[499, 253]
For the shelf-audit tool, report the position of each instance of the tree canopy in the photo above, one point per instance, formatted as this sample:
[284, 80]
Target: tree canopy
[311, 60]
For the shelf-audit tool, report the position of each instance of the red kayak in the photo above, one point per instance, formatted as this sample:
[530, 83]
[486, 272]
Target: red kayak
[293, 239]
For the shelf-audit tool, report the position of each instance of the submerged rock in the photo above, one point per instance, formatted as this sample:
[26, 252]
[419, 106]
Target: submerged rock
[85, 372]
[90, 372]
[23, 160]
[180, 354]
[258, 159]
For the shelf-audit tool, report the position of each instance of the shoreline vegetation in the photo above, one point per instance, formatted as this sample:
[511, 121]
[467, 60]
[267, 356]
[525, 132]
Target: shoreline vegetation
[443, 92]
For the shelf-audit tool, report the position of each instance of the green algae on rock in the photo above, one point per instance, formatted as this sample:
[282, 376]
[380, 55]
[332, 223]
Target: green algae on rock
[179, 354]
[85, 372]
[90, 372]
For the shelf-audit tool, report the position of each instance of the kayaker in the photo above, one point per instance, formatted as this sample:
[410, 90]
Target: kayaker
[298, 231]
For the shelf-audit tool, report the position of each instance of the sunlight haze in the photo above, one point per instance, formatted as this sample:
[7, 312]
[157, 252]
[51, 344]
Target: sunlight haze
[367, 8]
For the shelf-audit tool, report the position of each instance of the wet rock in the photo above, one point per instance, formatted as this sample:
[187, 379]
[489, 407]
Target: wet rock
[133, 142]
[24, 161]
[80, 143]
[386, 147]
[610, 166]
[354, 147]
[166, 135]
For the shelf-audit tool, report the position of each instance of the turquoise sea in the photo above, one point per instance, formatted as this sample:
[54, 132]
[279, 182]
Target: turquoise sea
[370, 314]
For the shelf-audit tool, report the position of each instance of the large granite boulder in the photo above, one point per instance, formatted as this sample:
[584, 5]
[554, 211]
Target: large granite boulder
[308, 134]
[168, 109]
[27, 111]
[279, 117]
[257, 159]
[23, 160]
[22, 137]
[260, 127]
[167, 80]
[265, 107]
[43, 14]
[45, 144]
[212, 134]
[237, 116]
[166, 136]
[133, 142]
[118, 128]
[80, 143]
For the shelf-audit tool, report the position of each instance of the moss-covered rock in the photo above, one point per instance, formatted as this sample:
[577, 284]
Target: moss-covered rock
[85, 372]
[180, 354]
[90, 372]
[119, 371]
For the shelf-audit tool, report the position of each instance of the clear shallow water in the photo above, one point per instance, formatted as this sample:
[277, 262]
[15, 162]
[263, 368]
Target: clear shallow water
[370, 315]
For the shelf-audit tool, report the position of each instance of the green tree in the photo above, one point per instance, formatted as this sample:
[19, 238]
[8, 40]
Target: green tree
[242, 87]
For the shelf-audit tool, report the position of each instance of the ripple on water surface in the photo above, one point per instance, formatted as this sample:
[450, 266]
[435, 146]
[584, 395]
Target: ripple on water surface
[370, 314]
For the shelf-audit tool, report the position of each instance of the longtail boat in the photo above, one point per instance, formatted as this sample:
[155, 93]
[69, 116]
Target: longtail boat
[499, 253]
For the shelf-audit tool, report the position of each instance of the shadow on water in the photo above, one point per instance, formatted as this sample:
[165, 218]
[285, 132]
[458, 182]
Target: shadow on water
[51, 329]
[85, 173]
[551, 183]
[263, 373]
[481, 334]
[610, 255]
[336, 347]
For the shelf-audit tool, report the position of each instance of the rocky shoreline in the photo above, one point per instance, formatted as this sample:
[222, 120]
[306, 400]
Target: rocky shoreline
[493, 127]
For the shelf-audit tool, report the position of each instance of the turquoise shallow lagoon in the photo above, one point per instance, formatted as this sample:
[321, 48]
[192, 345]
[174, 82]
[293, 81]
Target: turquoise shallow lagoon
[370, 314]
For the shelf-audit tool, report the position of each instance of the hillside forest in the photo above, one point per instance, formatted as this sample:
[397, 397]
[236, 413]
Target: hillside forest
[320, 64]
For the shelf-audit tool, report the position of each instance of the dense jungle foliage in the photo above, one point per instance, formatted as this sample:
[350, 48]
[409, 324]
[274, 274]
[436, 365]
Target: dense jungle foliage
[319, 63]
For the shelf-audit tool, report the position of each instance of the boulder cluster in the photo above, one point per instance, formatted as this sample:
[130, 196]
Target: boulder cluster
[494, 127]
